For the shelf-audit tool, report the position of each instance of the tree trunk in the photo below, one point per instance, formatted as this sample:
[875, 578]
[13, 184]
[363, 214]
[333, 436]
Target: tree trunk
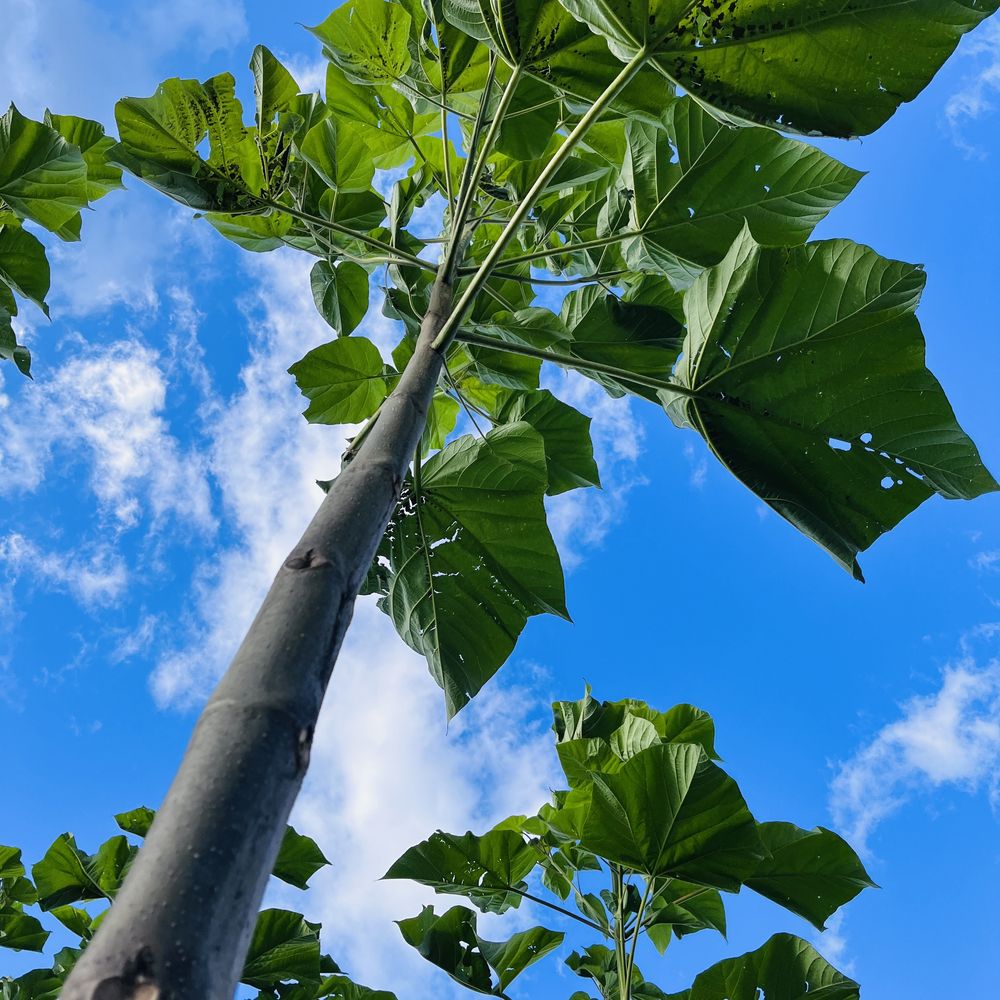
[181, 924]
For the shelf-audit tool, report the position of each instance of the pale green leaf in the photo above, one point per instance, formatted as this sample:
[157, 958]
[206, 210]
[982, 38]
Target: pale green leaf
[344, 380]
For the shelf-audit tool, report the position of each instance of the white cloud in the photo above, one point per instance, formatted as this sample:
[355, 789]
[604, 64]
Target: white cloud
[947, 739]
[105, 405]
[987, 561]
[977, 98]
[96, 576]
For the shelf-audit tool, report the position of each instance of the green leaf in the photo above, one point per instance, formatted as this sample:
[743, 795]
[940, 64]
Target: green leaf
[299, 858]
[569, 453]
[137, 821]
[344, 380]
[451, 942]
[160, 136]
[812, 390]
[256, 233]
[42, 176]
[78, 921]
[341, 294]
[368, 40]
[89, 137]
[812, 66]
[274, 88]
[471, 557]
[441, 421]
[68, 875]
[11, 865]
[671, 811]
[810, 872]
[690, 211]
[338, 155]
[680, 908]
[785, 968]
[342, 988]
[284, 947]
[21, 931]
[486, 869]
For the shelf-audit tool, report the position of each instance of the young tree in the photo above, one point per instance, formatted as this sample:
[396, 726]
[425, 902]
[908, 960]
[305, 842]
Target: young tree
[678, 225]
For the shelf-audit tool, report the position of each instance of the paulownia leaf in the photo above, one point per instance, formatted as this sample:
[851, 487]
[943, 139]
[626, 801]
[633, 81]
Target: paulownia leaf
[274, 87]
[785, 968]
[471, 558]
[342, 988]
[451, 942]
[75, 919]
[680, 908]
[340, 293]
[486, 869]
[671, 811]
[21, 931]
[284, 947]
[368, 40]
[810, 872]
[160, 136]
[344, 380]
[569, 452]
[299, 858]
[23, 266]
[68, 875]
[89, 137]
[42, 176]
[814, 66]
[691, 209]
[812, 390]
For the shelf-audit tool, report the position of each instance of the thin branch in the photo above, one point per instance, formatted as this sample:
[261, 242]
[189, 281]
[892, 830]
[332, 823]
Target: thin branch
[570, 361]
[559, 909]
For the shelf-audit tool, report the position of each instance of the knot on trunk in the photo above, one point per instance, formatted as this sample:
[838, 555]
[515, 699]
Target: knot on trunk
[135, 983]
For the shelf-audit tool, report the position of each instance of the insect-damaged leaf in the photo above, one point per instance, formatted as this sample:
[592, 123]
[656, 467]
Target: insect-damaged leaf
[814, 66]
[812, 390]
[470, 557]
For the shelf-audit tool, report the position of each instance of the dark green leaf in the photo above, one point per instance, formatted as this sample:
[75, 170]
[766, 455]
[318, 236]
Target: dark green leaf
[341, 294]
[810, 872]
[486, 869]
[77, 920]
[671, 811]
[284, 947]
[68, 875]
[299, 858]
[21, 931]
[137, 821]
[812, 390]
[786, 968]
[274, 87]
[471, 557]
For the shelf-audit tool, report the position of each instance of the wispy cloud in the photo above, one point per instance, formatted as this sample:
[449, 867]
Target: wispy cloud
[949, 738]
[978, 96]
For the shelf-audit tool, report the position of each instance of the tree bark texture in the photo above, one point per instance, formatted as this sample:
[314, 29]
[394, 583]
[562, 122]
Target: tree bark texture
[181, 924]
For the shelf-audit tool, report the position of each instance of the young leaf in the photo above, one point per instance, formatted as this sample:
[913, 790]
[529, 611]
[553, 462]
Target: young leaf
[344, 380]
[274, 88]
[137, 821]
[284, 947]
[299, 858]
[812, 66]
[671, 811]
[786, 968]
[810, 872]
[812, 390]
[471, 557]
[340, 293]
[486, 869]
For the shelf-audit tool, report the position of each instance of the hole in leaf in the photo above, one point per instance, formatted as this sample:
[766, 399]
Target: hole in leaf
[866, 438]
[888, 482]
[839, 445]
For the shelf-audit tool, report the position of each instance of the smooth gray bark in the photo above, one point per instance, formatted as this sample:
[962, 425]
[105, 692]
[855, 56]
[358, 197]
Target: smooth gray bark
[181, 924]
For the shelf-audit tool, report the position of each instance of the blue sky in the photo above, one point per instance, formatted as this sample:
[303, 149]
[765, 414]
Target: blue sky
[157, 470]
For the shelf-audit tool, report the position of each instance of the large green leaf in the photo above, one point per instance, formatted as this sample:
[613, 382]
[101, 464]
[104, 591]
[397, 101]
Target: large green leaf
[470, 557]
[810, 872]
[160, 137]
[42, 176]
[812, 389]
[68, 875]
[451, 942]
[569, 452]
[299, 858]
[690, 210]
[23, 266]
[344, 380]
[284, 947]
[814, 66]
[274, 87]
[680, 908]
[486, 869]
[340, 293]
[671, 811]
[368, 40]
[785, 968]
[89, 137]
[21, 931]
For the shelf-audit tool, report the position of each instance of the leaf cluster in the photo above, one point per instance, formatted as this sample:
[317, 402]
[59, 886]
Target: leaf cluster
[645, 840]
